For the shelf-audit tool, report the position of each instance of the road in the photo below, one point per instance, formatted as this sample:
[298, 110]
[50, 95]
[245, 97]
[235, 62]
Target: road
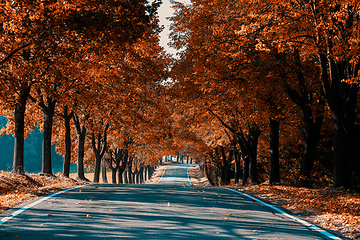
[157, 211]
[176, 175]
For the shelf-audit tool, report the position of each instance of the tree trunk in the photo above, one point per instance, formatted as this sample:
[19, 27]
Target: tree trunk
[342, 99]
[342, 153]
[254, 136]
[303, 98]
[225, 167]
[130, 179]
[19, 116]
[67, 118]
[274, 151]
[238, 168]
[99, 150]
[113, 175]
[97, 169]
[81, 132]
[311, 138]
[125, 176]
[120, 176]
[103, 172]
[207, 169]
[129, 171]
[47, 134]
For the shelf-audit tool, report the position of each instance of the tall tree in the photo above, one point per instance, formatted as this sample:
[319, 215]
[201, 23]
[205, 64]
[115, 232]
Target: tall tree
[329, 32]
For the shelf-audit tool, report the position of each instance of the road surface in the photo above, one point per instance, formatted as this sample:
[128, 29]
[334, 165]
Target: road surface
[176, 175]
[157, 211]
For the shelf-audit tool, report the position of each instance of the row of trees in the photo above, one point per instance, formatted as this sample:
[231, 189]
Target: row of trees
[250, 76]
[268, 74]
[89, 74]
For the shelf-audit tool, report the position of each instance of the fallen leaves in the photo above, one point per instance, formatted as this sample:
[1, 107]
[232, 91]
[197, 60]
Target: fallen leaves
[337, 210]
[16, 189]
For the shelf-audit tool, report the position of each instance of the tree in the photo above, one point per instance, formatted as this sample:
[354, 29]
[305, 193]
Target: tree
[55, 42]
[329, 33]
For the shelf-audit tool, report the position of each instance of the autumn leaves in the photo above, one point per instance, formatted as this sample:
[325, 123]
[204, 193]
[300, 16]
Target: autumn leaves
[86, 72]
[91, 74]
[245, 64]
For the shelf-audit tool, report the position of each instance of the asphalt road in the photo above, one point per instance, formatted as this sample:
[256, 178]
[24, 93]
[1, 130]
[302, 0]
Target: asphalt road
[158, 211]
[176, 175]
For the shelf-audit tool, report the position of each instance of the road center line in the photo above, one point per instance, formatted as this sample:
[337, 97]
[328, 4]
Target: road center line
[306, 224]
[42, 199]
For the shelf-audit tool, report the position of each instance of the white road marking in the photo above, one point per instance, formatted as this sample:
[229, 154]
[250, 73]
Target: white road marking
[14, 214]
[306, 224]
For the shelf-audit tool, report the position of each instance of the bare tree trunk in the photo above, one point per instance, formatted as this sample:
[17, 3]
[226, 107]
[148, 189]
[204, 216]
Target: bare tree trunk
[120, 176]
[342, 99]
[47, 134]
[274, 151]
[19, 116]
[81, 132]
[67, 118]
[113, 175]
[99, 147]
[103, 172]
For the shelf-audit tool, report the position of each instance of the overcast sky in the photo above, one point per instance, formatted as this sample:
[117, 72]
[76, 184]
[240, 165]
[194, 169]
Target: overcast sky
[165, 11]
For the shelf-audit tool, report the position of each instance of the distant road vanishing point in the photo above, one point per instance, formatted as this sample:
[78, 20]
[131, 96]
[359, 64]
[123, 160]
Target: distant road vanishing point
[176, 175]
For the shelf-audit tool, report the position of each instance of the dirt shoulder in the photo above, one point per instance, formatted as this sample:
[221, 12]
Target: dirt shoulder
[157, 174]
[197, 177]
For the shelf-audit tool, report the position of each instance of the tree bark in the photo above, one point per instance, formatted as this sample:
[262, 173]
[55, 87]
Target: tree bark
[207, 170]
[254, 133]
[274, 151]
[120, 175]
[311, 138]
[99, 150]
[48, 111]
[67, 118]
[342, 99]
[113, 175]
[19, 116]
[103, 171]
[126, 176]
[225, 168]
[302, 97]
[81, 132]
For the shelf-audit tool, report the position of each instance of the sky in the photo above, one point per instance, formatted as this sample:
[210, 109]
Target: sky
[165, 11]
